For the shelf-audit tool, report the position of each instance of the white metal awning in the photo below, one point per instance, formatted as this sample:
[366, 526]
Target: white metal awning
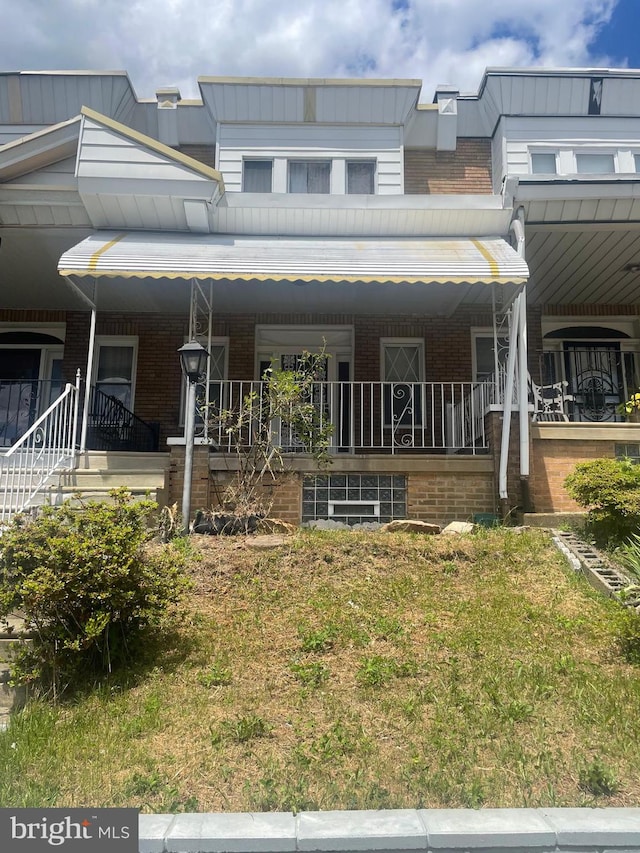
[240, 258]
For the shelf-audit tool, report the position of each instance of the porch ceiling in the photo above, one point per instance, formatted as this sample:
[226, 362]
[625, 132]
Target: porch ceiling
[583, 264]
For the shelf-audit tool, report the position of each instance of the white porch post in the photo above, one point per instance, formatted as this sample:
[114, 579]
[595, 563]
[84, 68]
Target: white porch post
[517, 227]
[87, 382]
[508, 399]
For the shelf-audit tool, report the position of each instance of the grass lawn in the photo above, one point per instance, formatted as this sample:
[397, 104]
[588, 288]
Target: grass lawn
[346, 670]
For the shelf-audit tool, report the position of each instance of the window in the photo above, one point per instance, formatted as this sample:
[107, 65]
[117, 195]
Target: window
[402, 365]
[309, 176]
[485, 363]
[361, 177]
[543, 163]
[115, 368]
[636, 162]
[257, 175]
[595, 164]
[217, 376]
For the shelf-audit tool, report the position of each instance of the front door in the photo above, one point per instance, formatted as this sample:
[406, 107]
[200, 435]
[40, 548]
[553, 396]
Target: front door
[596, 380]
[19, 372]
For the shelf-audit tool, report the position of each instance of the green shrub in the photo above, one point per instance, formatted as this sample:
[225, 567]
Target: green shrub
[89, 587]
[610, 490]
[627, 635]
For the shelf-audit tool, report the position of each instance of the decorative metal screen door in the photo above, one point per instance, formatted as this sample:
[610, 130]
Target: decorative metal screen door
[19, 371]
[596, 380]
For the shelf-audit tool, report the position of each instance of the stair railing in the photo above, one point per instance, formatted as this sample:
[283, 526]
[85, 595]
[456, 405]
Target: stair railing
[47, 447]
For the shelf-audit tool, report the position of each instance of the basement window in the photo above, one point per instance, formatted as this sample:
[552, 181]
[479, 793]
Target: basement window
[628, 451]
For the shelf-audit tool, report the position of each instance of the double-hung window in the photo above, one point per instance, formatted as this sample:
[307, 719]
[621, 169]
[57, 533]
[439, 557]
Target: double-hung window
[115, 368]
[309, 176]
[402, 373]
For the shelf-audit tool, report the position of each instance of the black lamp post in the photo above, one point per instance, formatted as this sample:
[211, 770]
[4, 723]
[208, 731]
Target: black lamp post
[193, 360]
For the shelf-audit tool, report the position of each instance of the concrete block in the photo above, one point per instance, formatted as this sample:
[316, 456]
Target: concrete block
[491, 828]
[398, 829]
[152, 829]
[611, 827]
[241, 832]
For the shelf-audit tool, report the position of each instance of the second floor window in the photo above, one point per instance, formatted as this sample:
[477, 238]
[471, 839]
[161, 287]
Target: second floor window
[361, 177]
[543, 163]
[256, 176]
[595, 164]
[310, 176]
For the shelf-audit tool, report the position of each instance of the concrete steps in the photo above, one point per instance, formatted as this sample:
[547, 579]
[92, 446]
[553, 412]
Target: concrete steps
[98, 472]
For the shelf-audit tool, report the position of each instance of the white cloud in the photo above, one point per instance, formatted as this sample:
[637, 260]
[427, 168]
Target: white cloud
[164, 42]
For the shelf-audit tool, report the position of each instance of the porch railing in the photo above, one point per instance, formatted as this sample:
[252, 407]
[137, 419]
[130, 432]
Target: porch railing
[48, 446]
[112, 426]
[384, 417]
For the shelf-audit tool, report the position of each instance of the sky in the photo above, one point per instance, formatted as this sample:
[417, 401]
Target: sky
[173, 42]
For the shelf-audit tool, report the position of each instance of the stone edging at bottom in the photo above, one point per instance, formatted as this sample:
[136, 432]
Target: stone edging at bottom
[553, 829]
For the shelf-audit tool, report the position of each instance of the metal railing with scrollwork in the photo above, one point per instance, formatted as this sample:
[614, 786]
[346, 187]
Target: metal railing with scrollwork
[385, 417]
[47, 447]
[112, 426]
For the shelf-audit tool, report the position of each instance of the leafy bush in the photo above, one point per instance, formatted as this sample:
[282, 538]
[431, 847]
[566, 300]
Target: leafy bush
[610, 490]
[627, 635]
[629, 556]
[88, 586]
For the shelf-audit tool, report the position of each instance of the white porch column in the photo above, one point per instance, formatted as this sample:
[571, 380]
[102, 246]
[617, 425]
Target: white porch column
[88, 375]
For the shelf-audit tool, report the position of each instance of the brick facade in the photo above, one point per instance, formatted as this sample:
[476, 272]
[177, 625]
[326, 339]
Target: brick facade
[441, 497]
[554, 459]
[465, 170]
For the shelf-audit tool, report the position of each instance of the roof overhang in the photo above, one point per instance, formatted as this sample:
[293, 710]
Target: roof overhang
[242, 258]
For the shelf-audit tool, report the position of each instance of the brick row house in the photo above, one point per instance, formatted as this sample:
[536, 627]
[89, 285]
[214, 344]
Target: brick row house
[456, 260]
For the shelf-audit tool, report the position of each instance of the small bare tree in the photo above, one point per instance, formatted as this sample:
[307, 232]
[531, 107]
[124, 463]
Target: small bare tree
[286, 413]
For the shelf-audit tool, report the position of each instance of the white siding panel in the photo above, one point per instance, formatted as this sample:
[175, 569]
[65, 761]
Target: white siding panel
[107, 154]
[298, 141]
[61, 173]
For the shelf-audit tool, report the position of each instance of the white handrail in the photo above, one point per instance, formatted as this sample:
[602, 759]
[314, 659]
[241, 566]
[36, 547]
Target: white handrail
[49, 445]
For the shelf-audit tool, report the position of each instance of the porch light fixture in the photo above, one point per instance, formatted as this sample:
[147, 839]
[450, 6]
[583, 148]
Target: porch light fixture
[193, 360]
[632, 267]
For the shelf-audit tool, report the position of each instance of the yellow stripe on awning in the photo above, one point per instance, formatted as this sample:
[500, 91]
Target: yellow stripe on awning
[240, 258]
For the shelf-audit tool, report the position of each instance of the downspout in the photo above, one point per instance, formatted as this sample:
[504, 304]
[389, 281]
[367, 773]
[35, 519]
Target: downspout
[517, 227]
[506, 407]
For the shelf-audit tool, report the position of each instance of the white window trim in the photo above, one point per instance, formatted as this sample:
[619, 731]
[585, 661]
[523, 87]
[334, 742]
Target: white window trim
[118, 341]
[273, 341]
[567, 162]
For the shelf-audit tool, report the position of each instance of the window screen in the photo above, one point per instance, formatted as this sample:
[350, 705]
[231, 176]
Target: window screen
[257, 176]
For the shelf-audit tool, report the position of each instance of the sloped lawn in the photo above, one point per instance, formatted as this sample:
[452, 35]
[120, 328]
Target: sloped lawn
[355, 671]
